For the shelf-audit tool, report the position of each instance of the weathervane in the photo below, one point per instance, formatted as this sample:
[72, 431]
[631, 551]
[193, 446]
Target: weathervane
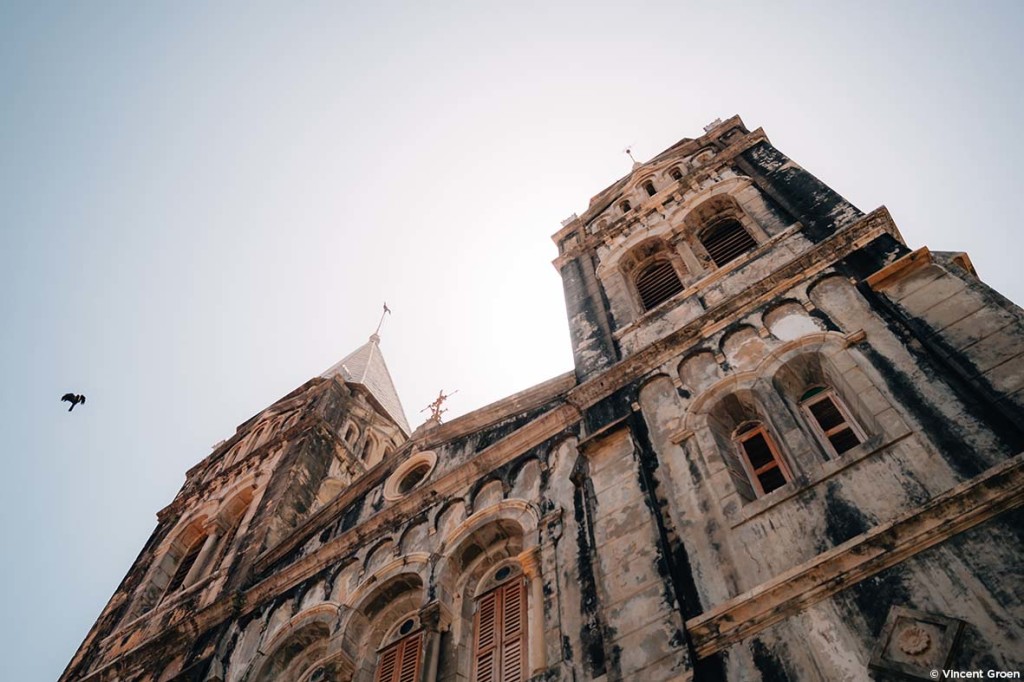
[435, 407]
[387, 311]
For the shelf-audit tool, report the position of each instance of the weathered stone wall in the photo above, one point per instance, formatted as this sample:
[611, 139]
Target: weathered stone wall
[618, 496]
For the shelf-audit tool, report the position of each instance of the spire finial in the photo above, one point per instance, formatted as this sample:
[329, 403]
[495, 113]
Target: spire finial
[628, 151]
[375, 337]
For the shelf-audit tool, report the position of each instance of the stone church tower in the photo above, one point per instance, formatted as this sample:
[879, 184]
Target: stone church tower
[790, 449]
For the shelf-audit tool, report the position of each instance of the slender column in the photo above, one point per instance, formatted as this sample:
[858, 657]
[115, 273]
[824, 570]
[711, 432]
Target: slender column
[213, 536]
[432, 619]
[530, 561]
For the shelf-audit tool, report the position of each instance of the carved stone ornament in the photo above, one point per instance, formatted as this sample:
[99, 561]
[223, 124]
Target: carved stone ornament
[914, 643]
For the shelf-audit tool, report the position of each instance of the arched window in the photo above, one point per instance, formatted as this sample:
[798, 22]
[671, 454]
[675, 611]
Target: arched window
[657, 282]
[185, 565]
[499, 631]
[351, 434]
[675, 173]
[400, 661]
[726, 240]
[766, 468]
[830, 419]
[649, 188]
[625, 206]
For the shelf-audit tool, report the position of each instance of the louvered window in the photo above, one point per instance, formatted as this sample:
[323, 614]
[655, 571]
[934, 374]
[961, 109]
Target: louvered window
[831, 418]
[185, 565]
[656, 283]
[726, 241]
[767, 470]
[499, 631]
[400, 662]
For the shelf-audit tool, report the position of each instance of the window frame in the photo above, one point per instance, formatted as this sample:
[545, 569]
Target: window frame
[515, 583]
[748, 431]
[401, 646]
[645, 267]
[822, 393]
[718, 224]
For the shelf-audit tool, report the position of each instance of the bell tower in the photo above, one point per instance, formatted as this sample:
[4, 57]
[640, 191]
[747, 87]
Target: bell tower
[720, 210]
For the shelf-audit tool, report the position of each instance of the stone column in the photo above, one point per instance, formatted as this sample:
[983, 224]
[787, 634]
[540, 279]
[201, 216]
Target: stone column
[214, 533]
[530, 561]
[433, 619]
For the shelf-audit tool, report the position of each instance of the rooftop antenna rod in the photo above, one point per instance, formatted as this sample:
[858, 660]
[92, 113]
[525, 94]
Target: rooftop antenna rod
[628, 151]
[387, 311]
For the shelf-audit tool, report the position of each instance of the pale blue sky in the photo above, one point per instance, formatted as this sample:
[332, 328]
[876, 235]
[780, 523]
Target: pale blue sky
[205, 205]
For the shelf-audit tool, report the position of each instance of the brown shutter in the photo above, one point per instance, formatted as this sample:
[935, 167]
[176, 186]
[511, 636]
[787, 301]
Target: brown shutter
[513, 641]
[400, 662]
[409, 669]
[386, 664]
[485, 629]
[499, 626]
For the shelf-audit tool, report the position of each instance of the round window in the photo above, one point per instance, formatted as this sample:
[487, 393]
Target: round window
[413, 478]
[409, 475]
[406, 627]
[503, 572]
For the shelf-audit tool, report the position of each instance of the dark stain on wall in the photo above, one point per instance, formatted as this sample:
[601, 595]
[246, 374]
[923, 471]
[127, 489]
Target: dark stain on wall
[768, 663]
[842, 520]
[592, 628]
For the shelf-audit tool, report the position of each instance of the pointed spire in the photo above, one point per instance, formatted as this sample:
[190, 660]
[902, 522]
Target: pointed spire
[365, 366]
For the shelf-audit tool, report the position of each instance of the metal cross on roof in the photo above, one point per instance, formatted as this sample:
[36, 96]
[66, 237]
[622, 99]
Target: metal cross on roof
[435, 407]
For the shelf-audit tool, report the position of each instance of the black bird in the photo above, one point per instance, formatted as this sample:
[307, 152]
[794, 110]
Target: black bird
[74, 399]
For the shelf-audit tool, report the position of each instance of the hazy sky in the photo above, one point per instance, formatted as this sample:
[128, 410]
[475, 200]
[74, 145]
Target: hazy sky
[204, 205]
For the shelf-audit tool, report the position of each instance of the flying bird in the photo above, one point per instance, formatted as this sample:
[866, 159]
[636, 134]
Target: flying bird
[74, 399]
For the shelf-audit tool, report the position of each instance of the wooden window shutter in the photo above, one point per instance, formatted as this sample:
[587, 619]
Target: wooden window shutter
[499, 626]
[656, 283]
[726, 241]
[400, 662]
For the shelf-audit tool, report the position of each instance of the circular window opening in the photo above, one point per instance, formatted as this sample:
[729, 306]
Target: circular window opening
[503, 572]
[413, 478]
[406, 627]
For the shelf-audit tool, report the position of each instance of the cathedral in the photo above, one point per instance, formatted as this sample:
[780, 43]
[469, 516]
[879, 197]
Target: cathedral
[790, 449]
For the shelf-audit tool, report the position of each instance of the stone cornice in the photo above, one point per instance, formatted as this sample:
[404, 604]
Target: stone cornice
[997, 490]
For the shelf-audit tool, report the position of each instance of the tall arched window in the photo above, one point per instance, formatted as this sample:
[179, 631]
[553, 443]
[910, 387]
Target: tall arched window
[726, 240]
[831, 419]
[499, 631]
[185, 565]
[766, 468]
[400, 661]
[657, 282]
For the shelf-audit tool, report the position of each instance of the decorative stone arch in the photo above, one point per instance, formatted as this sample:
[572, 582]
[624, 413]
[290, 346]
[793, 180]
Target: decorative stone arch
[654, 272]
[377, 605]
[698, 369]
[440, 510]
[375, 551]
[474, 491]
[308, 645]
[414, 564]
[503, 533]
[516, 517]
[810, 361]
[417, 522]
